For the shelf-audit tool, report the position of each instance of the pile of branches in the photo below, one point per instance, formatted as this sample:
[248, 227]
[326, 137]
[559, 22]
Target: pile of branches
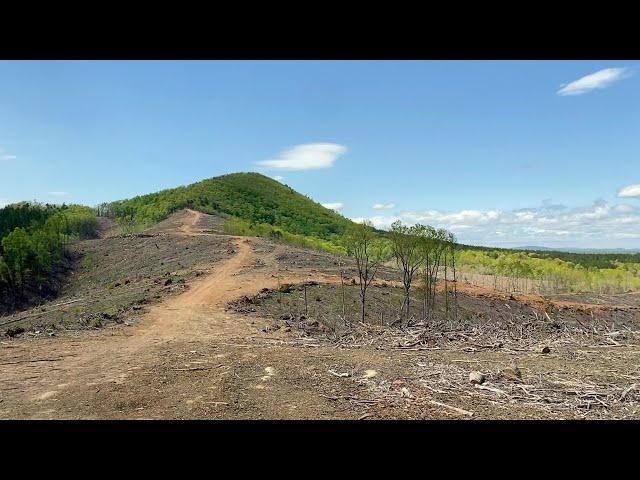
[471, 336]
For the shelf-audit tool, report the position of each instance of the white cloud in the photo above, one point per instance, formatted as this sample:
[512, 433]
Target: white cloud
[597, 225]
[597, 80]
[383, 206]
[59, 194]
[279, 178]
[309, 156]
[623, 207]
[3, 202]
[630, 191]
[7, 157]
[333, 206]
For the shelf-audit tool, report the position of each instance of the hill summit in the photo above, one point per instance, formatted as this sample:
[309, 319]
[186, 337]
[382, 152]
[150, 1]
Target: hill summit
[250, 196]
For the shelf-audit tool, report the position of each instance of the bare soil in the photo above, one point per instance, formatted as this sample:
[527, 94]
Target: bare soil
[199, 353]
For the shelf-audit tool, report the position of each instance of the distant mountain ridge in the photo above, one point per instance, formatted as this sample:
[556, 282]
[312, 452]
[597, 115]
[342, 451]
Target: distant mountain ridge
[578, 250]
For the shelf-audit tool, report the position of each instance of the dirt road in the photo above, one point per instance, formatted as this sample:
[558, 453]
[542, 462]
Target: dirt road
[153, 369]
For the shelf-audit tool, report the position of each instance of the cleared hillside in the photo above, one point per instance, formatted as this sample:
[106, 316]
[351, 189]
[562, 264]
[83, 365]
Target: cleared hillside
[188, 324]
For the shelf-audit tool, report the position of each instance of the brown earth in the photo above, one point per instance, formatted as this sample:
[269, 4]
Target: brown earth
[189, 356]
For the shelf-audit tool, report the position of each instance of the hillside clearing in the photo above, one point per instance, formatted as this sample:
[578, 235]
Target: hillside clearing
[189, 356]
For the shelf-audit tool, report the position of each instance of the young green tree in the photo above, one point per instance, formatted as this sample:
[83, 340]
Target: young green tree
[369, 252]
[434, 248]
[5, 273]
[17, 250]
[405, 245]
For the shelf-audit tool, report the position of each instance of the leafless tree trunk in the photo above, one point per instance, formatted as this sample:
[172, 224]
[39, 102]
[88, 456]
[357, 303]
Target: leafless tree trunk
[455, 283]
[446, 288]
[344, 308]
[306, 306]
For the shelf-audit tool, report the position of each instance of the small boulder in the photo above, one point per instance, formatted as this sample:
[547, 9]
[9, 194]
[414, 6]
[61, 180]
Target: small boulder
[476, 378]
[546, 350]
[511, 373]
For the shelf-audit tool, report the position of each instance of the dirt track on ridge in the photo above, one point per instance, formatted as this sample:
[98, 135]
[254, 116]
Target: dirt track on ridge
[46, 378]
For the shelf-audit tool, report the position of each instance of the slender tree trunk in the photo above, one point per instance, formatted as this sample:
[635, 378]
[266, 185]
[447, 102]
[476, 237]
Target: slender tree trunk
[424, 297]
[446, 288]
[306, 306]
[455, 285]
[344, 308]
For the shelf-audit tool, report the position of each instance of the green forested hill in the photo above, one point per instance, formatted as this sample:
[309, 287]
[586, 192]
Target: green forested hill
[33, 240]
[252, 197]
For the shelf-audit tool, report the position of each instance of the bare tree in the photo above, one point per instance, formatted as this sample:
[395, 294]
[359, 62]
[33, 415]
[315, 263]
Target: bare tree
[344, 308]
[368, 252]
[452, 241]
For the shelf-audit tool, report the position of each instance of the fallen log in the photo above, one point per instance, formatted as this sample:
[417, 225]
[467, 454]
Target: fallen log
[455, 409]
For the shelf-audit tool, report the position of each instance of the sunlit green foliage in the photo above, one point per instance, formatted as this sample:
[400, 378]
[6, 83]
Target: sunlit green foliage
[598, 260]
[237, 226]
[33, 237]
[251, 197]
[558, 275]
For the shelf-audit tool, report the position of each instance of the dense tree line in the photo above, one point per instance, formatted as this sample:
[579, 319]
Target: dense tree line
[33, 242]
[512, 270]
[250, 197]
[587, 260]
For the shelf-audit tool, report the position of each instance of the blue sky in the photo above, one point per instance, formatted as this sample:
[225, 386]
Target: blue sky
[502, 152]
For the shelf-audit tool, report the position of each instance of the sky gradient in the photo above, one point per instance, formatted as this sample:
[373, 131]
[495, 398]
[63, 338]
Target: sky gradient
[504, 153]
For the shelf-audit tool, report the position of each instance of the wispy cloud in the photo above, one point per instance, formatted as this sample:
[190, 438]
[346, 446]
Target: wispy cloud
[309, 156]
[383, 206]
[630, 191]
[6, 156]
[333, 206]
[59, 194]
[3, 202]
[548, 224]
[597, 80]
[279, 178]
